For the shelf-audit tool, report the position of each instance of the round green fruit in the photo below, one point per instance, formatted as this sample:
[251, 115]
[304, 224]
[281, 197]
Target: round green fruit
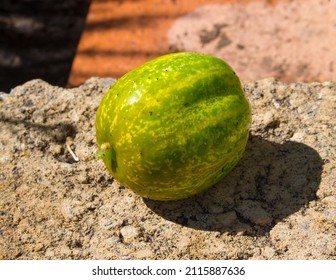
[174, 126]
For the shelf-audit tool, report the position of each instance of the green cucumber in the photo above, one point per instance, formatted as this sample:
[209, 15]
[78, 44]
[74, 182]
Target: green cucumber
[174, 126]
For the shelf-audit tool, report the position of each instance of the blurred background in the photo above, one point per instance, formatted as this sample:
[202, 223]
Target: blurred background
[39, 39]
[67, 42]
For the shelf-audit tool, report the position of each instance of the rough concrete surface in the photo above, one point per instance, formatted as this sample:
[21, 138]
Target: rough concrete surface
[292, 40]
[278, 203]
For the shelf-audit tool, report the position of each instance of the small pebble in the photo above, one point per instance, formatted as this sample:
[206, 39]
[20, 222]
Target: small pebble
[268, 118]
[129, 232]
[252, 211]
[297, 137]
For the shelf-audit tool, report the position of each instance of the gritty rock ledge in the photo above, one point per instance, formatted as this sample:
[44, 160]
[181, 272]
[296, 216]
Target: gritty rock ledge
[58, 202]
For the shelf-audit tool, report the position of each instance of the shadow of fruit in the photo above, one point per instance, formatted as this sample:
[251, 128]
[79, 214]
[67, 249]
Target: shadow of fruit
[271, 182]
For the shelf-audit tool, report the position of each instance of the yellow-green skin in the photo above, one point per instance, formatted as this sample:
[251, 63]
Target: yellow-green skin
[174, 126]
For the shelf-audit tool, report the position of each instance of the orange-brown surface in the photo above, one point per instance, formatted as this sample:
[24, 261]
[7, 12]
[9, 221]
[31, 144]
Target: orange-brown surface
[289, 40]
[121, 35]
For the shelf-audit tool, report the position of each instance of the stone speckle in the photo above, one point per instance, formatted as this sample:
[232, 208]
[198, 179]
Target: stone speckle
[253, 212]
[129, 232]
[278, 203]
